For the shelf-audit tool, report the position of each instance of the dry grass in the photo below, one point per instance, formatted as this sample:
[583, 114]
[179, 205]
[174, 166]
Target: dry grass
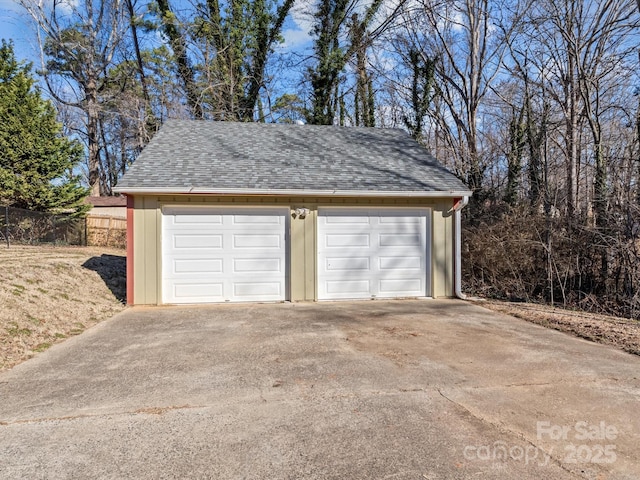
[50, 293]
[619, 332]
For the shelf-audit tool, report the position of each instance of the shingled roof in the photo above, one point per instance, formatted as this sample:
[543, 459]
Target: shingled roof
[191, 156]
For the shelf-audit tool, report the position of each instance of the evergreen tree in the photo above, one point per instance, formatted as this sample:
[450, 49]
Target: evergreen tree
[36, 159]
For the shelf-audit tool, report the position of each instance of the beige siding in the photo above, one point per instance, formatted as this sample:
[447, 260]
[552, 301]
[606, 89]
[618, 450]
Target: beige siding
[442, 253]
[303, 258]
[303, 249]
[146, 255]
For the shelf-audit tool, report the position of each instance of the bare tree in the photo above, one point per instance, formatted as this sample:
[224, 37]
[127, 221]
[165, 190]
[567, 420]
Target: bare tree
[78, 43]
[221, 53]
[566, 79]
[458, 35]
[178, 43]
[583, 47]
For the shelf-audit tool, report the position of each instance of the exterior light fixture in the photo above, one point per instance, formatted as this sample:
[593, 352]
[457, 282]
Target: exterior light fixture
[301, 212]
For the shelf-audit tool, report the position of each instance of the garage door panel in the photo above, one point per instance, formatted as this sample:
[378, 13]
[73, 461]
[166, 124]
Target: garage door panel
[197, 241]
[219, 254]
[347, 263]
[261, 242]
[347, 240]
[256, 220]
[348, 288]
[394, 220]
[330, 218]
[372, 252]
[404, 286]
[400, 240]
[198, 220]
[197, 265]
[250, 290]
[198, 292]
[401, 263]
[257, 265]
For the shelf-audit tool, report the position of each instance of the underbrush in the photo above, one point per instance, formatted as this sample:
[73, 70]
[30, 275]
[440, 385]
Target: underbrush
[523, 256]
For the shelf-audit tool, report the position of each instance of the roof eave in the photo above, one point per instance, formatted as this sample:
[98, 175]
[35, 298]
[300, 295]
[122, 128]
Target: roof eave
[278, 192]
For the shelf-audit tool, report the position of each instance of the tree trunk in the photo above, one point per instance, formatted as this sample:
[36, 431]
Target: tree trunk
[572, 139]
[514, 157]
[265, 38]
[363, 96]
[93, 126]
[178, 45]
[638, 153]
[150, 123]
[535, 140]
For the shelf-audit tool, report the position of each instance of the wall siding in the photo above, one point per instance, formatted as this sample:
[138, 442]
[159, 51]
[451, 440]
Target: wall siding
[303, 259]
[147, 226]
[147, 258]
[444, 213]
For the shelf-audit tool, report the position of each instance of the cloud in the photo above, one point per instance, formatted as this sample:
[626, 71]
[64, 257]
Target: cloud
[302, 14]
[67, 6]
[298, 26]
[295, 38]
[297, 32]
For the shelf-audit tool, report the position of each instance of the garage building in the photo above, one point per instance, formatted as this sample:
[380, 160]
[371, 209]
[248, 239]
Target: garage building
[232, 212]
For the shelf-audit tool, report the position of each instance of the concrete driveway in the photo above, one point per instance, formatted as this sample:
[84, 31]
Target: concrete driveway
[417, 389]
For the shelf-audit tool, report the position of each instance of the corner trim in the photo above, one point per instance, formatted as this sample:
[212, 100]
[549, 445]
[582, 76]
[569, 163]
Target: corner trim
[130, 211]
[458, 204]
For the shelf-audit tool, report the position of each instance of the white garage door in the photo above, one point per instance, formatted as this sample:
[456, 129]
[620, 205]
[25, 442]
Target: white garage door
[223, 254]
[373, 253]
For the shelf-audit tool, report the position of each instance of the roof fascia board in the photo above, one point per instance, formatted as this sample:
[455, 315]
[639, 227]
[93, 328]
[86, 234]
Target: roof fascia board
[275, 192]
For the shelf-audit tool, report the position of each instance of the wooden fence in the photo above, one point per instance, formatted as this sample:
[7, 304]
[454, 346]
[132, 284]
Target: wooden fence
[103, 231]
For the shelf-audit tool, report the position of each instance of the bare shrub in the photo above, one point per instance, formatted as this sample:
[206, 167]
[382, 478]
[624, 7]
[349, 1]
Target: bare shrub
[520, 255]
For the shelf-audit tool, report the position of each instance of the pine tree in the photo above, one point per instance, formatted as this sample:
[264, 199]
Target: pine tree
[36, 159]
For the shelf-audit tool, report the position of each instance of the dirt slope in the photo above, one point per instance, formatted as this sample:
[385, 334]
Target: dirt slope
[620, 332]
[49, 293]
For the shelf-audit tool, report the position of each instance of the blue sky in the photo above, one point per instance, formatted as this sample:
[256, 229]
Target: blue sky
[15, 25]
